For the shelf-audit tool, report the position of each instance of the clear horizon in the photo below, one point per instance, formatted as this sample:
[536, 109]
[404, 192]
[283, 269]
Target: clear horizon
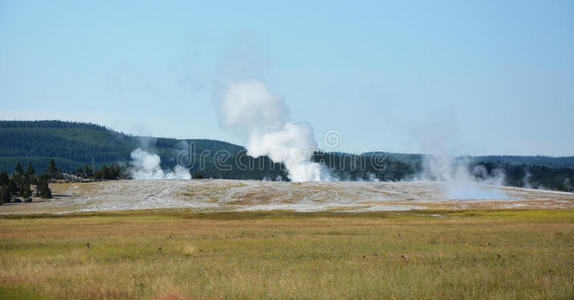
[473, 78]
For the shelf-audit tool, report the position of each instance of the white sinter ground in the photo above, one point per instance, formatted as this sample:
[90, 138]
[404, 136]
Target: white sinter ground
[236, 195]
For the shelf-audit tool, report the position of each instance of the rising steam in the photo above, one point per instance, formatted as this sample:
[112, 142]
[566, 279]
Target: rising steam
[261, 118]
[438, 136]
[146, 165]
[459, 181]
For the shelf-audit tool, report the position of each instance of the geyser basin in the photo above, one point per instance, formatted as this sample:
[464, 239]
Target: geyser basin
[473, 191]
[235, 195]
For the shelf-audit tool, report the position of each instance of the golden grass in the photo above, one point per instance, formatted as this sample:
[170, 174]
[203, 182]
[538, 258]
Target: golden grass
[175, 254]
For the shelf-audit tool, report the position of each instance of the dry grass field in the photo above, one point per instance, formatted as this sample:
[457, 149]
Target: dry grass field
[178, 254]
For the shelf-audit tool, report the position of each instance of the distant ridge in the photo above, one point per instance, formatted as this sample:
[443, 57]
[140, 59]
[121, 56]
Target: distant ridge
[529, 160]
[74, 144]
[537, 160]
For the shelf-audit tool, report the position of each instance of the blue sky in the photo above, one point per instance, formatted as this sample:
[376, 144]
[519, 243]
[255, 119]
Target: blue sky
[462, 77]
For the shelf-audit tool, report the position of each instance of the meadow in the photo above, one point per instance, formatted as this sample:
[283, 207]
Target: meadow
[180, 254]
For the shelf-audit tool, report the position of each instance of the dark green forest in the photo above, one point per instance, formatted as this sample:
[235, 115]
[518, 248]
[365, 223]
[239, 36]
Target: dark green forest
[18, 187]
[80, 146]
[90, 150]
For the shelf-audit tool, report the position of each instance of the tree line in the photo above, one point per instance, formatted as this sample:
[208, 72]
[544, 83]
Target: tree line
[114, 171]
[17, 186]
[529, 176]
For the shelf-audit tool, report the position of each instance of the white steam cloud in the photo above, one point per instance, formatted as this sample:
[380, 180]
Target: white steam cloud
[146, 165]
[439, 137]
[262, 119]
[459, 182]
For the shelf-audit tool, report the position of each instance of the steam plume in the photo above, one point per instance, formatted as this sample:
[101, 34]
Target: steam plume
[262, 119]
[458, 181]
[145, 165]
[438, 136]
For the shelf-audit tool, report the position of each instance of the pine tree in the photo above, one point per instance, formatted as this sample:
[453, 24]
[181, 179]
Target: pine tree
[105, 172]
[30, 170]
[5, 195]
[4, 178]
[12, 186]
[52, 170]
[43, 188]
[18, 170]
[88, 171]
[25, 190]
[31, 173]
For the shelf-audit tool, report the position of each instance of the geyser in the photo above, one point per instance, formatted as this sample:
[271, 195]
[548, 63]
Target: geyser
[146, 165]
[458, 181]
[261, 118]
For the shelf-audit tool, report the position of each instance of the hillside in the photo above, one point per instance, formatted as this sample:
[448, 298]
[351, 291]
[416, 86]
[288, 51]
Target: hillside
[73, 145]
[515, 160]
[538, 160]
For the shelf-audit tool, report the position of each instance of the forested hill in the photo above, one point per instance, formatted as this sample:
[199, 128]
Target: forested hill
[546, 161]
[535, 160]
[73, 145]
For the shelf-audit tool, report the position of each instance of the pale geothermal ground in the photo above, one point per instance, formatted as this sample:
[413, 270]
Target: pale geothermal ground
[237, 195]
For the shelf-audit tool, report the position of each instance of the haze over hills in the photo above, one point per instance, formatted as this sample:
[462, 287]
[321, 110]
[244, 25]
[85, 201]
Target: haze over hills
[73, 145]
